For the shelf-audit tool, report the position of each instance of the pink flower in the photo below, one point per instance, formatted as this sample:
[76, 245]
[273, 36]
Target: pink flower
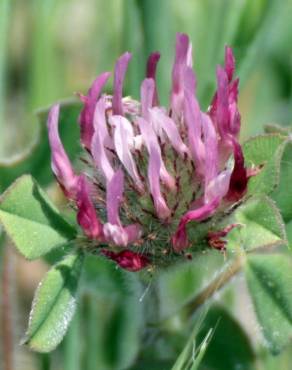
[156, 170]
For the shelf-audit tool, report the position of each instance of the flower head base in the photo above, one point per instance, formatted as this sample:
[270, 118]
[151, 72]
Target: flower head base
[153, 169]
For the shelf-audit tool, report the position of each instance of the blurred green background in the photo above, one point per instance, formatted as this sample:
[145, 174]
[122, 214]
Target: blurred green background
[50, 49]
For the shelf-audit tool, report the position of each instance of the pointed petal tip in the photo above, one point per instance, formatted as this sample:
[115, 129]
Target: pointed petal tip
[121, 67]
[60, 162]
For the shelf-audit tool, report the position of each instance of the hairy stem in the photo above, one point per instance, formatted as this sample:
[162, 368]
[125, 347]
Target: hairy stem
[219, 282]
[6, 320]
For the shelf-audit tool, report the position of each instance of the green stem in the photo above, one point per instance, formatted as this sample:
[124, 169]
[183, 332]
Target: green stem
[72, 345]
[206, 293]
[219, 282]
[6, 320]
[4, 22]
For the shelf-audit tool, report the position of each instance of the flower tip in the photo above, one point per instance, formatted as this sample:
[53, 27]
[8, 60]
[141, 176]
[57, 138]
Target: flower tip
[229, 62]
[152, 64]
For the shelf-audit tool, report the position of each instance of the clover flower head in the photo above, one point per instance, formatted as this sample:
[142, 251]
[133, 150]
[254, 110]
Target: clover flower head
[152, 170]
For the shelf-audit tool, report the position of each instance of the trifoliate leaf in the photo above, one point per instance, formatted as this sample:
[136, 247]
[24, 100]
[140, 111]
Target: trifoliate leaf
[264, 151]
[269, 281]
[31, 220]
[261, 225]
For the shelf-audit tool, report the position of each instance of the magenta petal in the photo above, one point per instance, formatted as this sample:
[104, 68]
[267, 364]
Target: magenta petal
[119, 76]
[61, 165]
[151, 73]
[179, 240]
[128, 260]
[124, 141]
[161, 119]
[86, 215]
[152, 65]
[238, 179]
[86, 115]
[229, 62]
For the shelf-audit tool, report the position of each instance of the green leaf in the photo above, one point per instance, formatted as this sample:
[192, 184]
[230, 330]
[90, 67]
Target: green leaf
[283, 194]
[261, 225]
[36, 159]
[229, 345]
[264, 150]
[54, 305]
[269, 281]
[30, 219]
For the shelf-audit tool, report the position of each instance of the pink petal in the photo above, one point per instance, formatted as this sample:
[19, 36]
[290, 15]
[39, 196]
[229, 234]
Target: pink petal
[115, 234]
[147, 96]
[86, 115]
[218, 186]
[114, 194]
[182, 59]
[222, 102]
[161, 119]
[119, 76]
[61, 165]
[151, 73]
[124, 141]
[133, 232]
[229, 62]
[154, 168]
[180, 240]
[128, 260]
[211, 149]
[190, 81]
[100, 141]
[100, 125]
[150, 139]
[113, 230]
[193, 120]
[86, 215]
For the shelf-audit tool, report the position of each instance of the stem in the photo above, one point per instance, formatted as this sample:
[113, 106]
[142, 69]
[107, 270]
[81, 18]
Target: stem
[6, 320]
[72, 344]
[4, 25]
[219, 282]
